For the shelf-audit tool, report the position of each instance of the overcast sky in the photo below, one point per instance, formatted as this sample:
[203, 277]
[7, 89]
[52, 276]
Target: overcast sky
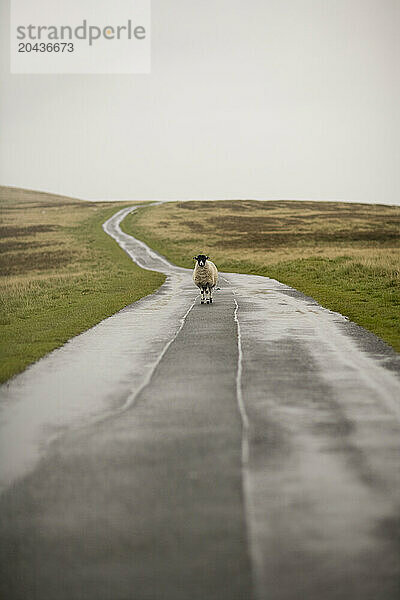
[246, 99]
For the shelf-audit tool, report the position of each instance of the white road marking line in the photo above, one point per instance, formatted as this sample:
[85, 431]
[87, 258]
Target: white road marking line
[116, 219]
[239, 392]
[132, 397]
[246, 492]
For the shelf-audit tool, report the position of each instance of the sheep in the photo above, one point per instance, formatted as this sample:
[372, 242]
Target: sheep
[205, 276]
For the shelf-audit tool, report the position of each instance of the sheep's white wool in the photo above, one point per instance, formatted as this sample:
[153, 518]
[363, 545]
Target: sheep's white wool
[207, 276]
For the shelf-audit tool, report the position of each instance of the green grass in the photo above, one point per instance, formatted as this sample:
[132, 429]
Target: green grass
[44, 305]
[347, 257]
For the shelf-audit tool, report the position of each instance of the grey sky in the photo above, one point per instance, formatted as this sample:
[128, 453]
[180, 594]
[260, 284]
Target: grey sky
[246, 99]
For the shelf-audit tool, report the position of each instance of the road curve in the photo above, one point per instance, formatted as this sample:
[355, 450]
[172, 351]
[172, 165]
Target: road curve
[244, 450]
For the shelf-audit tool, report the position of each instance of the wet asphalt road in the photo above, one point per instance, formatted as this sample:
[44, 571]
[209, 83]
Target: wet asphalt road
[244, 450]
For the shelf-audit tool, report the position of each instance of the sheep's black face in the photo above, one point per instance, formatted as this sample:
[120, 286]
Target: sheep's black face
[201, 259]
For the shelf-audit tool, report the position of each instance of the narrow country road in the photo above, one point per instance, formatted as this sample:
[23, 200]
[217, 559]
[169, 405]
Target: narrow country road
[245, 450]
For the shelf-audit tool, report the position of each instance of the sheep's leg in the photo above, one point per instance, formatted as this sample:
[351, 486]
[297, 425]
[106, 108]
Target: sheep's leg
[208, 294]
[202, 296]
[210, 291]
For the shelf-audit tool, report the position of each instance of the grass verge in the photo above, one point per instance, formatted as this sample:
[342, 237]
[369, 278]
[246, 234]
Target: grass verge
[346, 256]
[60, 273]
